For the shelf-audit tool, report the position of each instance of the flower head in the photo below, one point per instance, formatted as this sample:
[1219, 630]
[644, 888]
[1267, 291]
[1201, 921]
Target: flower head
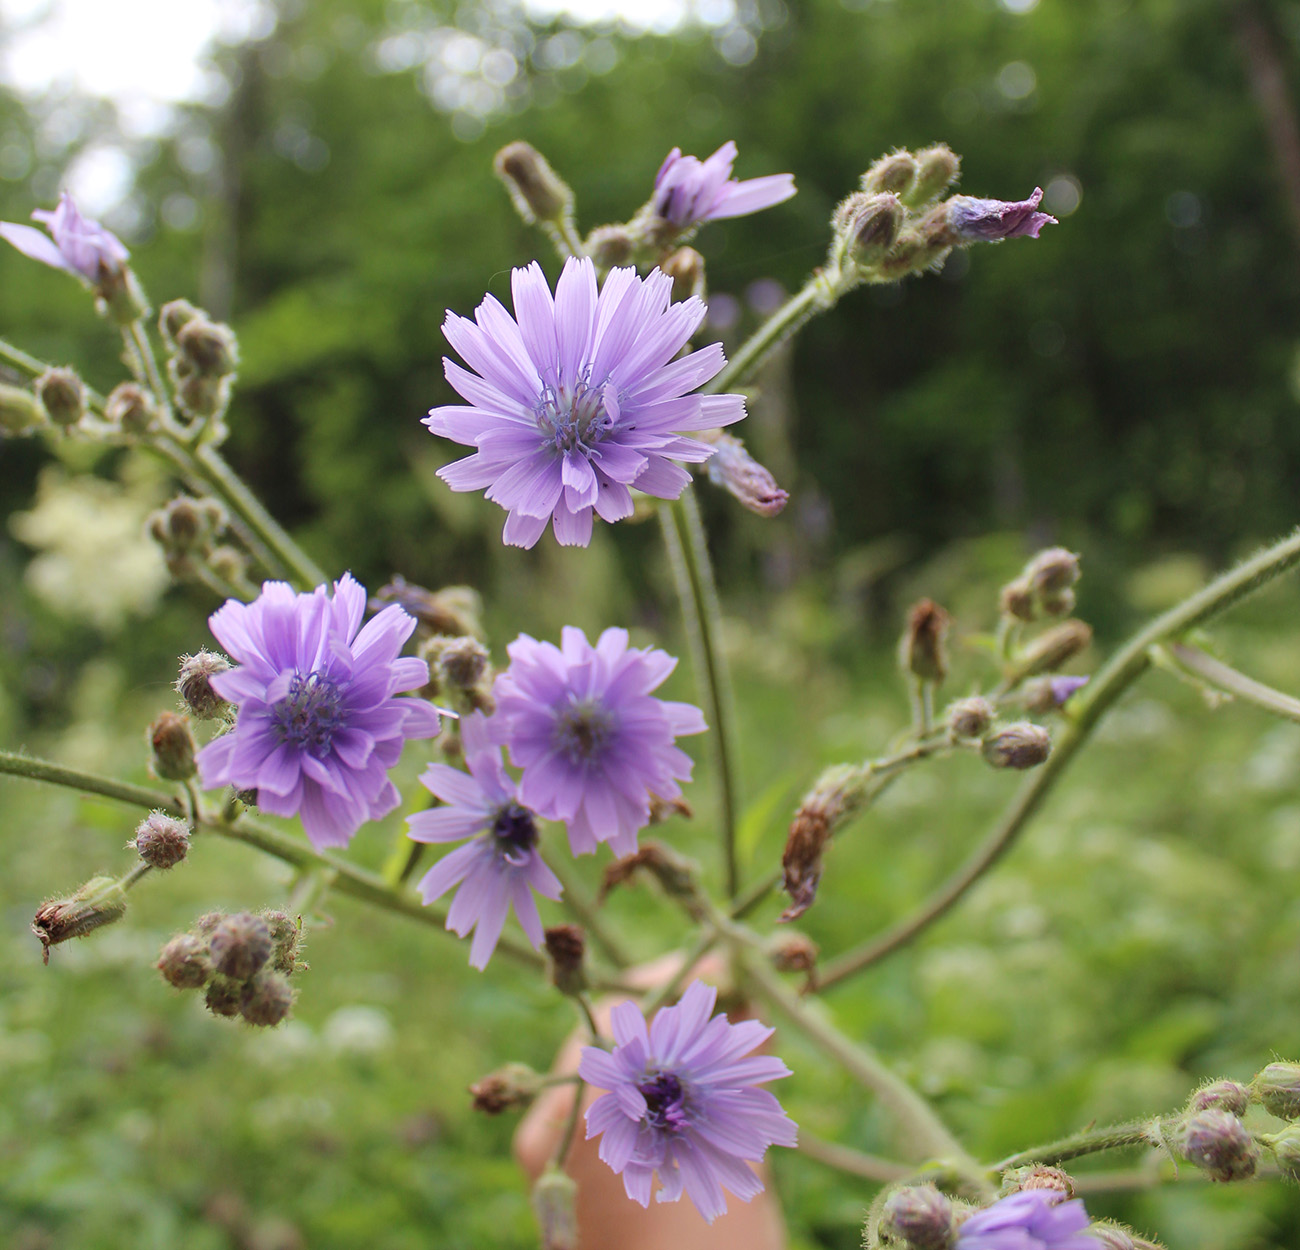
[577, 397]
[318, 726]
[689, 191]
[986, 221]
[78, 245]
[500, 866]
[591, 740]
[1034, 1219]
[683, 1102]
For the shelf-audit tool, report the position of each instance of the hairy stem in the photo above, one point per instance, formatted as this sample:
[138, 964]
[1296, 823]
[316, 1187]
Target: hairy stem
[15, 764]
[1228, 679]
[1087, 1142]
[854, 1162]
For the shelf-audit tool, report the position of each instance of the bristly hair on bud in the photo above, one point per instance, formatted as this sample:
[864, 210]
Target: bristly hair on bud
[99, 902]
[921, 650]
[173, 747]
[266, 999]
[63, 396]
[162, 841]
[1051, 649]
[194, 685]
[1040, 1176]
[240, 945]
[894, 174]
[1020, 746]
[937, 168]
[536, 190]
[918, 1216]
[1225, 1095]
[685, 267]
[130, 408]
[1217, 1141]
[969, 718]
[1277, 1089]
[184, 962]
[866, 227]
[738, 473]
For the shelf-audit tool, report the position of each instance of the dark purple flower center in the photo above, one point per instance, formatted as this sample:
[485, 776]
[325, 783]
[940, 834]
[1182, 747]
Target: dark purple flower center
[311, 713]
[515, 831]
[573, 416]
[665, 1102]
[583, 731]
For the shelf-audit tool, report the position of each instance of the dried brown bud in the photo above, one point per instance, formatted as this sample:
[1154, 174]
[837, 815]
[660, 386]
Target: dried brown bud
[1039, 1177]
[675, 874]
[101, 901]
[566, 945]
[836, 793]
[515, 1085]
[794, 952]
[1017, 600]
[173, 747]
[286, 938]
[922, 651]
[665, 809]
[685, 267]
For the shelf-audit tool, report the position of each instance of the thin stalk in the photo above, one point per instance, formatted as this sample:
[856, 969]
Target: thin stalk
[33, 367]
[579, 902]
[588, 1016]
[1085, 710]
[756, 893]
[137, 338]
[570, 1127]
[703, 943]
[1228, 679]
[1089, 1141]
[17, 765]
[140, 870]
[693, 575]
[854, 1162]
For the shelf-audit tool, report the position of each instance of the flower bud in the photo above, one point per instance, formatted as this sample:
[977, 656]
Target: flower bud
[894, 174]
[1016, 600]
[175, 316]
[922, 651]
[454, 610]
[194, 685]
[1047, 694]
[1223, 1095]
[266, 999]
[1021, 745]
[609, 246]
[200, 394]
[184, 962]
[969, 718]
[462, 663]
[662, 809]
[1053, 648]
[173, 747]
[537, 191]
[793, 952]
[63, 396]
[101, 901]
[240, 945]
[286, 938]
[1286, 1150]
[130, 408]
[20, 410]
[223, 996]
[836, 793]
[187, 524]
[867, 227]
[1041, 1176]
[911, 254]
[208, 348]
[937, 168]
[1218, 1142]
[1053, 570]
[515, 1085]
[161, 840]
[566, 945]
[737, 472]
[554, 1200]
[1277, 1087]
[918, 1216]
[1113, 1236]
[686, 268]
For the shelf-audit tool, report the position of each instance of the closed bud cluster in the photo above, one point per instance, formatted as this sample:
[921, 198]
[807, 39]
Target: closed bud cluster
[207, 348]
[937, 168]
[184, 962]
[866, 227]
[240, 945]
[894, 174]
[99, 902]
[738, 473]
[194, 685]
[130, 408]
[172, 745]
[1045, 585]
[63, 396]
[1277, 1089]
[186, 529]
[922, 651]
[536, 190]
[554, 1201]
[515, 1085]
[837, 792]
[20, 410]
[567, 945]
[1224, 1095]
[1218, 1142]
[969, 718]
[161, 840]
[918, 1216]
[685, 267]
[1052, 571]
[454, 610]
[1020, 745]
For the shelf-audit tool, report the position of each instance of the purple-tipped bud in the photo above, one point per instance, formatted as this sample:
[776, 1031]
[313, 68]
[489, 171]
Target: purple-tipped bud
[554, 1200]
[266, 999]
[101, 901]
[1223, 1095]
[285, 940]
[737, 472]
[161, 840]
[223, 996]
[610, 246]
[937, 168]
[1048, 694]
[130, 408]
[1277, 1087]
[918, 1216]
[894, 174]
[63, 396]
[1053, 570]
[1218, 1142]
[173, 747]
[20, 410]
[240, 945]
[1022, 745]
[175, 316]
[686, 268]
[511, 1087]
[566, 944]
[536, 190]
[969, 718]
[837, 793]
[184, 962]
[194, 685]
[972, 220]
[922, 650]
[867, 227]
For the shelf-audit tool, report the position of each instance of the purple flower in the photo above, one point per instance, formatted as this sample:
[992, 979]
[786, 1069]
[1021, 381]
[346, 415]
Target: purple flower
[592, 743]
[682, 1102]
[578, 399]
[79, 246]
[318, 726]
[689, 192]
[1034, 1219]
[1063, 687]
[501, 865]
[987, 221]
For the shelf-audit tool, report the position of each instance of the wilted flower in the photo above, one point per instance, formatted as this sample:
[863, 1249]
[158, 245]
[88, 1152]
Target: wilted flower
[577, 397]
[75, 244]
[1034, 1219]
[987, 221]
[501, 866]
[318, 725]
[593, 744]
[683, 1102]
[689, 192]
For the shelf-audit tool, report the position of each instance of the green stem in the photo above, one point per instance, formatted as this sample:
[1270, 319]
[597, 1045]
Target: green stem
[693, 575]
[137, 338]
[17, 765]
[1238, 684]
[1087, 1142]
[1085, 710]
[579, 902]
[563, 1146]
[854, 1162]
[34, 368]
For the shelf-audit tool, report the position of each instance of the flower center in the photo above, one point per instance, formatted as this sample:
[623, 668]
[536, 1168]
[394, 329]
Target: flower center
[573, 417]
[665, 1102]
[310, 715]
[515, 832]
[583, 731]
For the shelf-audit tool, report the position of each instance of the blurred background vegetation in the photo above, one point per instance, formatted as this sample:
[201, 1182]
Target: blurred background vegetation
[1127, 385]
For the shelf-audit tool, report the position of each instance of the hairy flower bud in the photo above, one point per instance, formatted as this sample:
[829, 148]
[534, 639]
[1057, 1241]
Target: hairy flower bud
[554, 1200]
[194, 685]
[1286, 1150]
[609, 246]
[1021, 745]
[173, 747]
[1277, 1087]
[1047, 694]
[1016, 599]
[223, 996]
[63, 396]
[921, 650]
[286, 938]
[515, 1085]
[737, 472]
[161, 840]
[1218, 1142]
[937, 168]
[1053, 570]
[187, 524]
[240, 945]
[686, 268]
[918, 1216]
[969, 718]
[454, 610]
[836, 793]
[266, 999]
[913, 253]
[20, 410]
[536, 190]
[1040, 1176]
[175, 316]
[866, 227]
[1113, 1236]
[1053, 648]
[566, 944]
[462, 663]
[130, 408]
[101, 901]
[895, 174]
[1224, 1095]
[184, 962]
[208, 348]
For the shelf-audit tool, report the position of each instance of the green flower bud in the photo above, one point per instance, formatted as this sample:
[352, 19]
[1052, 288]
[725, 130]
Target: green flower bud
[173, 747]
[937, 168]
[130, 408]
[1286, 1150]
[1277, 1087]
[554, 1201]
[536, 190]
[184, 962]
[99, 902]
[685, 267]
[63, 396]
[969, 718]
[1053, 648]
[175, 316]
[20, 410]
[609, 246]
[894, 174]
[208, 348]
[867, 226]
[285, 940]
